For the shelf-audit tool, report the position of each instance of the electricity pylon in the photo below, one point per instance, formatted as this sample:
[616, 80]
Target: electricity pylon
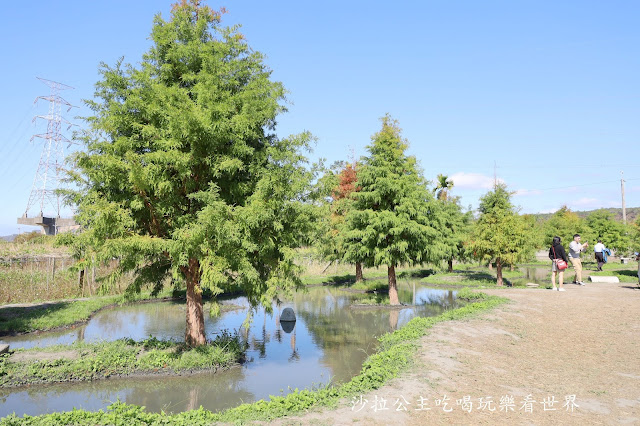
[50, 169]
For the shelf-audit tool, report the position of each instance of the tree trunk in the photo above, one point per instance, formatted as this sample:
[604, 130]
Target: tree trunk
[326, 267]
[393, 288]
[359, 272]
[499, 271]
[194, 335]
[81, 281]
[451, 264]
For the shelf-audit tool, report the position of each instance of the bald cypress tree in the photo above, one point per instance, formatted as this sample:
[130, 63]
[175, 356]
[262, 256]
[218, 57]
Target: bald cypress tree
[391, 221]
[183, 176]
[500, 234]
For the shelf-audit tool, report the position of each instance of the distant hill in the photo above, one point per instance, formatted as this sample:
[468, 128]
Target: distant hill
[9, 238]
[632, 214]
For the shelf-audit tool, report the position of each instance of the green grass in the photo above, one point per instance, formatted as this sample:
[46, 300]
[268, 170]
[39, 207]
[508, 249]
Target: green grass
[380, 284]
[507, 273]
[373, 300]
[625, 275]
[483, 277]
[345, 274]
[120, 358]
[470, 295]
[395, 354]
[471, 278]
[328, 279]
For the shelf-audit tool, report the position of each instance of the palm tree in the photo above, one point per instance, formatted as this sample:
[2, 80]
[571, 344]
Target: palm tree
[443, 186]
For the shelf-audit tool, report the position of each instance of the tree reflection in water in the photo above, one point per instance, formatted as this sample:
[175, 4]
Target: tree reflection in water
[295, 356]
[261, 344]
[393, 319]
[329, 339]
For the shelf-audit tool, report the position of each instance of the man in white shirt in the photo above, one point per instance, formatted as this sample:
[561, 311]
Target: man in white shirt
[575, 248]
[598, 249]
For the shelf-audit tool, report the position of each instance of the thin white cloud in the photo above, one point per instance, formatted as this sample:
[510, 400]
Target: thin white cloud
[525, 192]
[464, 180]
[548, 211]
[585, 201]
[593, 203]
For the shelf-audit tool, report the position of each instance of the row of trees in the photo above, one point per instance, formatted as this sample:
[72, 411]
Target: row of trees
[184, 180]
[382, 213]
[600, 224]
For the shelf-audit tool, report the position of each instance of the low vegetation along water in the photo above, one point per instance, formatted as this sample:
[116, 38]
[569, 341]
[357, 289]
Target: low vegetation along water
[330, 340]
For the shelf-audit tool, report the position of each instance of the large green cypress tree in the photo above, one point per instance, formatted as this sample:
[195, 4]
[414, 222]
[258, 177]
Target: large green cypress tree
[183, 176]
[500, 234]
[391, 221]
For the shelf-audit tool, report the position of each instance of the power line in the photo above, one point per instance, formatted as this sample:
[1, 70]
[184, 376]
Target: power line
[531, 167]
[476, 190]
[579, 185]
[11, 136]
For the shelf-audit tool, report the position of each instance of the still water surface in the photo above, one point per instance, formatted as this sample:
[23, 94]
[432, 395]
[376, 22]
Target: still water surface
[537, 274]
[329, 342]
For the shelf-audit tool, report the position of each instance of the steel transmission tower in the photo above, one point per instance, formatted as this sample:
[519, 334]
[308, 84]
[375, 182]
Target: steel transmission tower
[50, 169]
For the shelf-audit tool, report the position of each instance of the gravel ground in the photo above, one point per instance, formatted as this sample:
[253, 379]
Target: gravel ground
[546, 358]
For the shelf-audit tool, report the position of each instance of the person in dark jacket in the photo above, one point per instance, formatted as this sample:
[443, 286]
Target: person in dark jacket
[557, 252]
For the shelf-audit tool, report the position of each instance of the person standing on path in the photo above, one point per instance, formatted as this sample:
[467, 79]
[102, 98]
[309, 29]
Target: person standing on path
[598, 250]
[575, 248]
[557, 252]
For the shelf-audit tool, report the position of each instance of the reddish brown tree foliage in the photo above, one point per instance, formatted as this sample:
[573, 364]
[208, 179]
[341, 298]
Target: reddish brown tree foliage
[346, 183]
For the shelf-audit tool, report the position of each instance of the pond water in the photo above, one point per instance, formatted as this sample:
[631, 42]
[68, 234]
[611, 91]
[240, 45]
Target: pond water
[537, 274]
[328, 344]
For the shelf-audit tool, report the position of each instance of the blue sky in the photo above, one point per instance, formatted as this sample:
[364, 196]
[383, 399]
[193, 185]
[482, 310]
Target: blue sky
[545, 94]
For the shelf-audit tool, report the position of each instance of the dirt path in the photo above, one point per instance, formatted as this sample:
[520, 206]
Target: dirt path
[548, 345]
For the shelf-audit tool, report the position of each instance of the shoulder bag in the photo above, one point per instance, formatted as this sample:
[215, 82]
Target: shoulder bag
[560, 263]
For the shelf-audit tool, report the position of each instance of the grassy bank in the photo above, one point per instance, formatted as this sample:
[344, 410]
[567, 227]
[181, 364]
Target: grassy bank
[626, 273]
[462, 278]
[93, 361]
[52, 315]
[395, 354]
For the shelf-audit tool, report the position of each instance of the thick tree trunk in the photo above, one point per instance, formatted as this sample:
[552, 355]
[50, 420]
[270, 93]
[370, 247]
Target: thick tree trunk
[359, 272]
[194, 335]
[499, 271]
[393, 288]
[451, 264]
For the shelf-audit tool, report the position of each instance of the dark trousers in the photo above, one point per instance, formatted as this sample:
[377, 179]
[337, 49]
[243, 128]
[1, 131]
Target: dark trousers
[600, 260]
